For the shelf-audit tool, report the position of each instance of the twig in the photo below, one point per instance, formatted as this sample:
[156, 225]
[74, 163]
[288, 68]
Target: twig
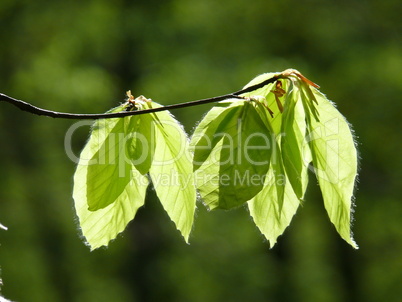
[24, 106]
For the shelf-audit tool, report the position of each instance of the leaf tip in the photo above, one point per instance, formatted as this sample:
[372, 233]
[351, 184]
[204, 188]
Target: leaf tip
[94, 245]
[353, 243]
[272, 243]
[187, 240]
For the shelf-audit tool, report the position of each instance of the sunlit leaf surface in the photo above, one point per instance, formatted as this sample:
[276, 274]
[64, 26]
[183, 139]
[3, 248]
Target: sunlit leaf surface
[107, 190]
[335, 162]
[171, 172]
[232, 151]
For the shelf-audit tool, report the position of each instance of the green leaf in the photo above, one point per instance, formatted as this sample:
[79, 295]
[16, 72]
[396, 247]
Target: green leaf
[205, 136]
[273, 208]
[276, 166]
[335, 161]
[108, 190]
[203, 141]
[108, 172]
[103, 225]
[141, 142]
[294, 154]
[232, 150]
[171, 172]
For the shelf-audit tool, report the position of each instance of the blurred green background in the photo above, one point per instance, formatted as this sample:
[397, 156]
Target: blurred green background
[81, 56]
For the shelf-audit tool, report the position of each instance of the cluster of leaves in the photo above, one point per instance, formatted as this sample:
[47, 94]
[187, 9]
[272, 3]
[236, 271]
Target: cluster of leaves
[255, 150]
[117, 164]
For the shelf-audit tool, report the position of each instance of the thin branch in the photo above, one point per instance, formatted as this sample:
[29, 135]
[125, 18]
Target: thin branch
[24, 106]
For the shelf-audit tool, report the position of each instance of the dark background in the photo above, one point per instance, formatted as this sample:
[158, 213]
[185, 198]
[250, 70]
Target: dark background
[81, 56]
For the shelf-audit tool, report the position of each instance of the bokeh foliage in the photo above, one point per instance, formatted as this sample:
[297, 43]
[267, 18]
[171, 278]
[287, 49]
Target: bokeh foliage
[83, 56]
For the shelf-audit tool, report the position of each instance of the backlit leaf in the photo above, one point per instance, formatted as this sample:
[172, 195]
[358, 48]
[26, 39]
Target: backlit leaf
[335, 161]
[107, 189]
[206, 162]
[172, 173]
[232, 151]
[295, 154]
[270, 214]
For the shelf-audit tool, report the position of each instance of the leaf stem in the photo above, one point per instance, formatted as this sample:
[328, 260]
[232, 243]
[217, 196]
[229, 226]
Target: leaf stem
[24, 106]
